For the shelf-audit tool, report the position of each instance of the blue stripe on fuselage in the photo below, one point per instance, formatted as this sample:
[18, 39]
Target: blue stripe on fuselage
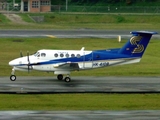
[96, 55]
[93, 56]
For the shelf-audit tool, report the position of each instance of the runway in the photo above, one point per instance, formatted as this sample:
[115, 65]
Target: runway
[77, 33]
[80, 84]
[81, 115]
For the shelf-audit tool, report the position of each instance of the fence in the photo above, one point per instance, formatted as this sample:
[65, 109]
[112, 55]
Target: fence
[106, 9]
[93, 9]
[9, 7]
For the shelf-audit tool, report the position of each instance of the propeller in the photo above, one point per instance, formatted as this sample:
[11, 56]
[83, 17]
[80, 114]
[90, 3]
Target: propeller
[21, 55]
[28, 61]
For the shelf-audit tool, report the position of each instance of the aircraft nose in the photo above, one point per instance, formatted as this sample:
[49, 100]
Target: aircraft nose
[12, 63]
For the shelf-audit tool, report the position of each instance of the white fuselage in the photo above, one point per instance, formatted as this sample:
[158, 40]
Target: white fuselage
[57, 60]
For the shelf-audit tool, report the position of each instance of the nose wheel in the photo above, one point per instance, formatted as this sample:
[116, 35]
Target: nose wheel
[12, 77]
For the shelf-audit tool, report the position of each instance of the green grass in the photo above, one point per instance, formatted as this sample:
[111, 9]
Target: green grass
[80, 102]
[149, 65]
[86, 21]
[3, 20]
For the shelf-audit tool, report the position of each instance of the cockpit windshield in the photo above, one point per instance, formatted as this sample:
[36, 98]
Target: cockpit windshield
[37, 54]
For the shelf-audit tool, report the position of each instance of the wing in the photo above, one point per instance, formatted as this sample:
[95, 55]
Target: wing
[67, 66]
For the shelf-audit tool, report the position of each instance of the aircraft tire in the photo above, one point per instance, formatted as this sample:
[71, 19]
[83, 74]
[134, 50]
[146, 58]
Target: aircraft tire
[67, 79]
[12, 77]
[60, 77]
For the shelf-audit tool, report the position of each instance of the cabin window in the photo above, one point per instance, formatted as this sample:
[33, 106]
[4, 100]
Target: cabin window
[55, 55]
[43, 54]
[78, 55]
[72, 55]
[61, 55]
[67, 55]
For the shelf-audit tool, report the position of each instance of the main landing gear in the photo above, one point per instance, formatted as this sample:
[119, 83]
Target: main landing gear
[12, 77]
[66, 79]
[59, 77]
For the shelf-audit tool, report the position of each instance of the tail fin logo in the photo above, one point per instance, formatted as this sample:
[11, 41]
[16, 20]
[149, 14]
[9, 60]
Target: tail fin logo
[134, 41]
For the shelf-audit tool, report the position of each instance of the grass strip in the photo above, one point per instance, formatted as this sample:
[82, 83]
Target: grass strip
[80, 102]
[84, 21]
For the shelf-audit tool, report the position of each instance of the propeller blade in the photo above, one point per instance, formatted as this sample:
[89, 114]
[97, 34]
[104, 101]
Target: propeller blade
[21, 55]
[28, 60]
[28, 56]
[29, 65]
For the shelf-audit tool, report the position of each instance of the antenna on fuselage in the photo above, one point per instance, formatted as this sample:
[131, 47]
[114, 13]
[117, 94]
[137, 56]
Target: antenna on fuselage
[82, 49]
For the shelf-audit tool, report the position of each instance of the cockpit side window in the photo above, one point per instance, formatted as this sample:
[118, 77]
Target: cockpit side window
[43, 54]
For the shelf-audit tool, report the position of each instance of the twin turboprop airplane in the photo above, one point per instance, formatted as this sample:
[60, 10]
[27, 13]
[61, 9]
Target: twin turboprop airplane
[64, 61]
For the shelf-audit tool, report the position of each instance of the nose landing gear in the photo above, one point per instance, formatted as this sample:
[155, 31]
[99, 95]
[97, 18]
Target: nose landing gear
[12, 77]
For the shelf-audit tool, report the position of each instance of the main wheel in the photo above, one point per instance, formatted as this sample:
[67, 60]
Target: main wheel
[67, 79]
[60, 77]
[12, 77]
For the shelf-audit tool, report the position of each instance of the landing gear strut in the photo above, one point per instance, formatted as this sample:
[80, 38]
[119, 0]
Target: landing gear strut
[66, 79]
[12, 77]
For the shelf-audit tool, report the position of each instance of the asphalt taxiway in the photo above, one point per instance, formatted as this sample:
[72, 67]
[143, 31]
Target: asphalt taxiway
[80, 84]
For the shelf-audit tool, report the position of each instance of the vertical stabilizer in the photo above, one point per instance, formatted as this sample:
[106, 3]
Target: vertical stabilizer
[137, 44]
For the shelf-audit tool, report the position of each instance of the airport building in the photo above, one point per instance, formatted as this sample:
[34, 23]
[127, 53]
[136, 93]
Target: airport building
[35, 6]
